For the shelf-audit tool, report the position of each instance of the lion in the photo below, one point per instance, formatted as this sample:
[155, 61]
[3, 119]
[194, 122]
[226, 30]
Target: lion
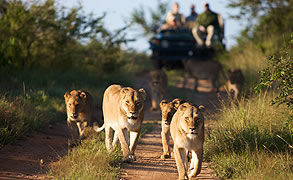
[159, 85]
[79, 109]
[123, 112]
[167, 110]
[208, 70]
[187, 132]
[235, 82]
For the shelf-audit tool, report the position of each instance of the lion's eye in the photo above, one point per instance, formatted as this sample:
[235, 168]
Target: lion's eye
[186, 118]
[69, 104]
[127, 102]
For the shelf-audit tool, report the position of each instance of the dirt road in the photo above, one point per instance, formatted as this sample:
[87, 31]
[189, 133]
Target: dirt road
[22, 160]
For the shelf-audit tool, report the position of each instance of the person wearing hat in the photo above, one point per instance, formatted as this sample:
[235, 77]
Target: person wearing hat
[206, 22]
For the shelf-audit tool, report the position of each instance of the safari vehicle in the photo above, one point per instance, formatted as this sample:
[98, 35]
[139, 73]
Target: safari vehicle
[169, 47]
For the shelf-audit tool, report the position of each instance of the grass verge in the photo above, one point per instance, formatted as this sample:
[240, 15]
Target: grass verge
[253, 140]
[91, 160]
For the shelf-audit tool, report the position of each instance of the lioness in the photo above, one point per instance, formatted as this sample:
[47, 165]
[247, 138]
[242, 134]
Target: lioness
[235, 82]
[187, 131]
[168, 110]
[208, 70]
[159, 85]
[79, 108]
[123, 112]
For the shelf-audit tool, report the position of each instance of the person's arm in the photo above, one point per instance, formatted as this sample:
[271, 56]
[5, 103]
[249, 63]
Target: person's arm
[220, 21]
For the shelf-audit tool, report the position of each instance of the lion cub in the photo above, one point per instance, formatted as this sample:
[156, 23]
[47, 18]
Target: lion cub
[123, 112]
[235, 82]
[187, 131]
[168, 110]
[79, 109]
[159, 85]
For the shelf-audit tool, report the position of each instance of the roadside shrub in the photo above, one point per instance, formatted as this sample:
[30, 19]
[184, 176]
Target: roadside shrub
[17, 118]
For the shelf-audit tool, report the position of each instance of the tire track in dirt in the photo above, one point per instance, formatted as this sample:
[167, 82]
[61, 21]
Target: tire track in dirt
[148, 164]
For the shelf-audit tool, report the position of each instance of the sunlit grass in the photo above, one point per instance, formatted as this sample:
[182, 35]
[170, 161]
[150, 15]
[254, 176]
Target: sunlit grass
[90, 160]
[250, 135]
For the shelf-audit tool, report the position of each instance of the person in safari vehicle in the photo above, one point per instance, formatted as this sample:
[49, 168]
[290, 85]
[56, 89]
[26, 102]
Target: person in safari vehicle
[174, 19]
[208, 22]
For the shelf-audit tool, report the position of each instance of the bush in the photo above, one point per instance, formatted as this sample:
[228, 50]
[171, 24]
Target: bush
[280, 70]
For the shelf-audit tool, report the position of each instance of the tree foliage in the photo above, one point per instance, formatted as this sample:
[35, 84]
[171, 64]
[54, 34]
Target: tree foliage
[256, 8]
[280, 69]
[270, 22]
[41, 34]
[140, 18]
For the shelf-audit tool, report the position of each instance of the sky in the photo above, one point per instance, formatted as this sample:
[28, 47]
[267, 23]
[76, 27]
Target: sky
[119, 11]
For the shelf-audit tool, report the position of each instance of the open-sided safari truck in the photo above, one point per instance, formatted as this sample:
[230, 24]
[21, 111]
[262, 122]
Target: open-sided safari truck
[171, 46]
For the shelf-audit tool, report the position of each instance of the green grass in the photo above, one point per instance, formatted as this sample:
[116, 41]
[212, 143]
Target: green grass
[16, 119]
[90, 160]
[253, 139]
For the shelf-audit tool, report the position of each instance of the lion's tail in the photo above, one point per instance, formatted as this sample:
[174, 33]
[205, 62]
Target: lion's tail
[97, 128]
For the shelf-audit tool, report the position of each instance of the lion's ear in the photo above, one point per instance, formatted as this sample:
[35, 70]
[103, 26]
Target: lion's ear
[163, 103]
[176, 103]
[201, 108]
[143, 93]
[182, 107]
[123, 91]
[66, 95]
[83, 95]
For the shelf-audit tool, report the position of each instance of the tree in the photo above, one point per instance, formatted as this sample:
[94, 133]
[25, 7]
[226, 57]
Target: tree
[270, 22]
[139, 17]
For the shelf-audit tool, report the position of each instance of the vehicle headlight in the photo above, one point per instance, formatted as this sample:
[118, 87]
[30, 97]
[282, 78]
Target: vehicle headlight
[190, 53]
[165, 44]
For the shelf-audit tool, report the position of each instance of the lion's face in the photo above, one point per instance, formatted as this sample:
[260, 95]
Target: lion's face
[191, 119]
[74, 104]
[169, 109]
[132, 102]
[157, 77]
